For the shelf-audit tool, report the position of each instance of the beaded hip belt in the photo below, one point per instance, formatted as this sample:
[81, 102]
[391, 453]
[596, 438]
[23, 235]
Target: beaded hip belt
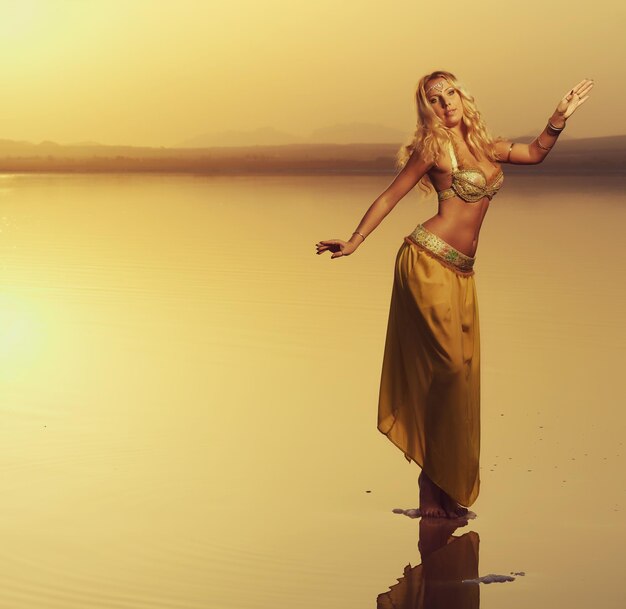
[442, 250]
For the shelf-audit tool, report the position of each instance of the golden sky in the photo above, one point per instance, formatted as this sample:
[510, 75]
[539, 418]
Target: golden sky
[157, 72]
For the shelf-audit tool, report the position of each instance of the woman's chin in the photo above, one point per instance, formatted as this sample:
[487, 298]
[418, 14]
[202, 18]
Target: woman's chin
[452, 124]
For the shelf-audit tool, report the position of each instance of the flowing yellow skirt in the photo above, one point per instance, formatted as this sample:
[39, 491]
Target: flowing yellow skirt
[429, 402]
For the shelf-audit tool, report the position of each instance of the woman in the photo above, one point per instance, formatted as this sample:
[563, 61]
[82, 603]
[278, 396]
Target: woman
[429, 402]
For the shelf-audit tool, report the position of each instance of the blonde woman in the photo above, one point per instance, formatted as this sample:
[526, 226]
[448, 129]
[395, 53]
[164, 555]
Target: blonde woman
[429, 401]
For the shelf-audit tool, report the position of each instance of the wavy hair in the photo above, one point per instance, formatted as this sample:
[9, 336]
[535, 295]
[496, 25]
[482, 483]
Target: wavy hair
[431, 136]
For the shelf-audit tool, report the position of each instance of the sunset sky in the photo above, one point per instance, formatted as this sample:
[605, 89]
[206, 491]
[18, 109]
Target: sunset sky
[157, 72]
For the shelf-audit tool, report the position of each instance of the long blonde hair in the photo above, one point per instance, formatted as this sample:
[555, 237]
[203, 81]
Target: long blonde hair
[431, 136]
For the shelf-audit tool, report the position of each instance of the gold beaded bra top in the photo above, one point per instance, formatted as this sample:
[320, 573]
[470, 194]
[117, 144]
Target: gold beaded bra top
[470, 184]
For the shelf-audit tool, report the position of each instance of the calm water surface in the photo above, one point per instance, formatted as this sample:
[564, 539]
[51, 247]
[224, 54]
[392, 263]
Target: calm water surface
[188, 398]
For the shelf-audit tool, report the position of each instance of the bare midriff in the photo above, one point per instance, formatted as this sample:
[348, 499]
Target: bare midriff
[458, 223]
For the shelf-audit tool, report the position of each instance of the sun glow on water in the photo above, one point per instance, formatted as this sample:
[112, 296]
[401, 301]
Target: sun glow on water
[20, 334]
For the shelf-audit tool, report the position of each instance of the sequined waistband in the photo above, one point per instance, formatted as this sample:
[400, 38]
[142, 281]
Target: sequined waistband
[442, 250]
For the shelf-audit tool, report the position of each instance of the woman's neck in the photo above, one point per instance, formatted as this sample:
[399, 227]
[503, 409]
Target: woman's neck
[459, 130]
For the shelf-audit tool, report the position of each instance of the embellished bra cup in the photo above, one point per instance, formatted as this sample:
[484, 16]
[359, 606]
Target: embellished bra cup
[470, 184]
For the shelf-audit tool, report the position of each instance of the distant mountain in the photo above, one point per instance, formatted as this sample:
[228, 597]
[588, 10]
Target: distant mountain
[357, 133]
[588, 156]
[88, 143]
[342, 133]
[265, 136]
[528, 137]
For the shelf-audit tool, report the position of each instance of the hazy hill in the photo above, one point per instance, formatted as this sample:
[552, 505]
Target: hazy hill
[356, 133]
[604, 155]
[265, 136]
[343, 133]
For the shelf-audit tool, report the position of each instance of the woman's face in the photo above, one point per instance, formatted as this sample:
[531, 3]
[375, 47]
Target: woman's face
[445, 101]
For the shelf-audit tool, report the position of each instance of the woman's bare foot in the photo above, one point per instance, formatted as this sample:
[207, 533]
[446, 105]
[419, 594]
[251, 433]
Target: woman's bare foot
[430, 498]
[452, 508]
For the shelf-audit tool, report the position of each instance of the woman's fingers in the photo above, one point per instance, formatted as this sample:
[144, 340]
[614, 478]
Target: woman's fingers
[338, 247]
[577, 87]
[575, 97]
[334, 245]
[583, 83]
[583, 87]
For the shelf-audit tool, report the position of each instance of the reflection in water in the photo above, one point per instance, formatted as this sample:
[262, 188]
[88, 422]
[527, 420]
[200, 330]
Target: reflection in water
[167, 375]
[438, 582]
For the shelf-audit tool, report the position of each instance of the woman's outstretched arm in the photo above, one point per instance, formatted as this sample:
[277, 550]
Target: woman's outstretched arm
[535, 152]
[409, 176]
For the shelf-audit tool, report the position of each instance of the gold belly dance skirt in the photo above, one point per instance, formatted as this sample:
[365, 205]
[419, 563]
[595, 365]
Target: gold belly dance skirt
[429, 402]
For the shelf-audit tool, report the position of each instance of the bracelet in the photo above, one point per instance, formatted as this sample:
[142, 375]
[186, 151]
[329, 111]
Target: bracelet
[558, 129]
[508, 158]
[541, 145]
[552, 132]
[356, 232]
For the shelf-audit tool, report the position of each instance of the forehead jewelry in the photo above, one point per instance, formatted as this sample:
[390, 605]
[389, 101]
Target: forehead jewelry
[438, 85]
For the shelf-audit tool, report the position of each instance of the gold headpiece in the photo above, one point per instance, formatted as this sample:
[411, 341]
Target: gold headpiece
[438, 85]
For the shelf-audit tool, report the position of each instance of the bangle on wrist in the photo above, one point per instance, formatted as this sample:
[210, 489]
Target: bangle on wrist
[559, 129]
[356, 232]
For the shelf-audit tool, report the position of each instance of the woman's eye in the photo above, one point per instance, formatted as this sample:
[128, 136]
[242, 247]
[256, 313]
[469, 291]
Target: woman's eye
[451, 92]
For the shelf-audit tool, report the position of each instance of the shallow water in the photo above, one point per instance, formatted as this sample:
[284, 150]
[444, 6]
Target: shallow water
[188, 396]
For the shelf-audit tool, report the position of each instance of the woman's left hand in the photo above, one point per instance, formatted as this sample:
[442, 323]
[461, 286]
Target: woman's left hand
[574, 98]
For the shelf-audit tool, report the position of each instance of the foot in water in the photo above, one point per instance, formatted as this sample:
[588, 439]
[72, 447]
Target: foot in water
[452, 508]
[430, 498]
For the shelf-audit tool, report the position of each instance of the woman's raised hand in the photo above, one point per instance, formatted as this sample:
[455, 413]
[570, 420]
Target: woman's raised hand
[337, 246]
[574, 98]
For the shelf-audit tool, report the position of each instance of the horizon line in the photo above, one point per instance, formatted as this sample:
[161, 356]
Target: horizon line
[267, 145]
